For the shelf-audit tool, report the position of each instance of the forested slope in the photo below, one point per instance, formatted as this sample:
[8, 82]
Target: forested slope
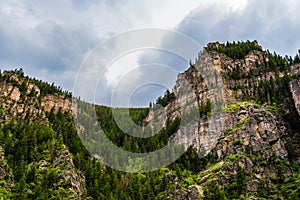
[256, 155]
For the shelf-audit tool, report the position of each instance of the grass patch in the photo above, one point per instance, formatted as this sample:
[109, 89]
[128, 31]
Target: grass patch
[233, 107]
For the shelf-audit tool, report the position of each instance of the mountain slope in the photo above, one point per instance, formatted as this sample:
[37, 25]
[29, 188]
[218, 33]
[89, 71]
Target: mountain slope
[245, 143]
[258, 147]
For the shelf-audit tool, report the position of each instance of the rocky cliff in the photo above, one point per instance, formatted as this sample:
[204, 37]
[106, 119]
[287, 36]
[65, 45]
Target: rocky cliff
[295, 90]
[23, 104]
[246, 134]
[16, 90]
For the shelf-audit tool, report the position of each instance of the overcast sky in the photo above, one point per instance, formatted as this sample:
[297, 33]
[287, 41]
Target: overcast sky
[50, 39]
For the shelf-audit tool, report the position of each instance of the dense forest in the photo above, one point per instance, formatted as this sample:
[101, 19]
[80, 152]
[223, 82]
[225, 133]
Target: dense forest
[43, 160]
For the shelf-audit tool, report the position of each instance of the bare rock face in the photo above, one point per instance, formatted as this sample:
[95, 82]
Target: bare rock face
[179, 192]
[13, 105]
[257, 128]
[261, 134]
[10, 92]
[255, 140]
[56, 102]
[5, 172]
[15, 94]
[20, 103]
[201, 85]
[64, 161]
[21, 99]
[193, 192]
[207, 77]
[31, 87]
[295, 90]
[238, 131]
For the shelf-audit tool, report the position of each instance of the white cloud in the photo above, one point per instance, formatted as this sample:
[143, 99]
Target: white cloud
[121, 67]
[274, 25]
[50, 39]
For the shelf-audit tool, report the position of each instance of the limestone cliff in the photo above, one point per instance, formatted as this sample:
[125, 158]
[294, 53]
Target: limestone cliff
[258, 138]
[16, 90]
[21, 100]
[295, 89]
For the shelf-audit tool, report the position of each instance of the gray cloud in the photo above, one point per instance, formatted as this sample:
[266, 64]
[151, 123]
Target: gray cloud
[273, 23]
[43, 44]
[50, 39]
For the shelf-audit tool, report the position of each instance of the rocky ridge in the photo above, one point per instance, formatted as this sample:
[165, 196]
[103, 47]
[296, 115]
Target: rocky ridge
[248, 139]
[295, 90]
[257, 138]
[21, 100]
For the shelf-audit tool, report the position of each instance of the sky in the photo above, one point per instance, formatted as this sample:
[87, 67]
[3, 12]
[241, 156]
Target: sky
[51, 40]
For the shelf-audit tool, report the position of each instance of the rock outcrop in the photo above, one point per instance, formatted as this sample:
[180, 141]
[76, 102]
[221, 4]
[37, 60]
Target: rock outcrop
[21, 101]
[295, 90]
[5, 172]
[57, 102]
[16, 90]
[69, 173]
[216, 102]
[241, 133]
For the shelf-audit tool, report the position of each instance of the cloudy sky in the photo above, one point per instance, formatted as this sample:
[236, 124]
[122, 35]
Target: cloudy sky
[51, 39]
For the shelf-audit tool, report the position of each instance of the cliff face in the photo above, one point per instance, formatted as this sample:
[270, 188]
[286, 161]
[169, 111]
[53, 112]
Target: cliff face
[22, 104]
[258, 138]
[210, 79]
[5, 172]
[20, 97]
[295, 90]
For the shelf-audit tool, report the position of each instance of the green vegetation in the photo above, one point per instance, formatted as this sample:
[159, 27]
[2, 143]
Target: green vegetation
[45, 88]
[205, 109]
[240, 124]
[26, 145]
[233, 107]
[235, 50]
[166, 99]
[138, 114]
[262, 87]
[273, 91]
[127, 142]
[34, 154]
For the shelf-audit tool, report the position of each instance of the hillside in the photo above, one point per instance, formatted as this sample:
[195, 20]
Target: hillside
[244, 143]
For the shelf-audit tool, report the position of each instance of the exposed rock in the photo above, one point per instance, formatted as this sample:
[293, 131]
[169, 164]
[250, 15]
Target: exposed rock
[253, 185]
[32, 86]
[12, 76]
[195, 192]
[295, 90]
[13, 96]
[179, 192]
[56, 102]
[246, 137]
[18, 105]
[5, 172]
[26, 104]
[10, 92]
[64, 161]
